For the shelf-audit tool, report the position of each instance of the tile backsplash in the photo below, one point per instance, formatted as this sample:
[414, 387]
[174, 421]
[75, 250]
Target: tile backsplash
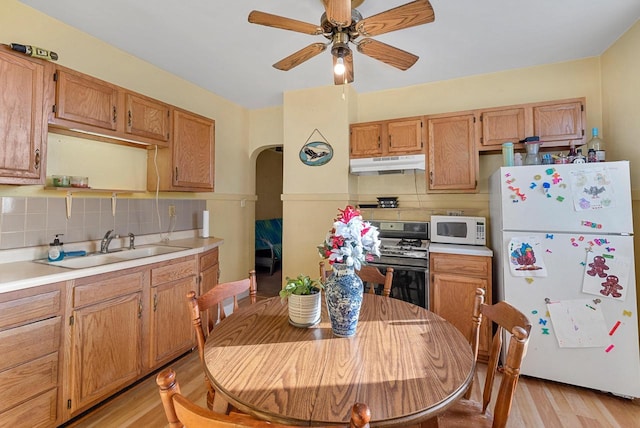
[30, 221]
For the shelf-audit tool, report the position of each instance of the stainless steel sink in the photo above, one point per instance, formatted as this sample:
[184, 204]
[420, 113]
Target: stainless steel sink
[99, 259]
[145, 251]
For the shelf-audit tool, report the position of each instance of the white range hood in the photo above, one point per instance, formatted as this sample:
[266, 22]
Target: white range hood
[388, 165]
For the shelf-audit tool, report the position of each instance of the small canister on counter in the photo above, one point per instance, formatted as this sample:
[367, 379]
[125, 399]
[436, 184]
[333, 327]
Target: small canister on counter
[60, 180]
[561, 158]
[507, 154]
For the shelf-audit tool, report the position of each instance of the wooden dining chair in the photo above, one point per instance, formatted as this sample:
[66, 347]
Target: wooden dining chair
[181, 412]
[370, 276]
[470, 413]
[211, 304]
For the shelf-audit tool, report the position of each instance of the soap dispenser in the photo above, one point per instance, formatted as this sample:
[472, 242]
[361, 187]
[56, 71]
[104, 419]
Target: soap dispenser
[55, 249]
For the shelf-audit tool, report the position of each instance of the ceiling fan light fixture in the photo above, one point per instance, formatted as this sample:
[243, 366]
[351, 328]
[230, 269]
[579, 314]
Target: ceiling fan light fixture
[339, 68]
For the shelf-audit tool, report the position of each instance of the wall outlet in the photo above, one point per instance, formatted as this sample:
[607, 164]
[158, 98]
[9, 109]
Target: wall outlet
[172, 210]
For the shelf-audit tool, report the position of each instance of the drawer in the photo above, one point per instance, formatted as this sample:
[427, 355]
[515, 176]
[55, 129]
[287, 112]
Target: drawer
[35, 413]
[107, 287]
[208, 259]
[25, 343]
[460, 265]
[22, 306]
[28, 380]
[173, 271]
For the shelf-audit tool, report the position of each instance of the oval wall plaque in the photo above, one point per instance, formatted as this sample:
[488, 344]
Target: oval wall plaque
[316, 153]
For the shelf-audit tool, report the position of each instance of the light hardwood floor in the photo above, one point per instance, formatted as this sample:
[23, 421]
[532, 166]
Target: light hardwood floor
[537, 403]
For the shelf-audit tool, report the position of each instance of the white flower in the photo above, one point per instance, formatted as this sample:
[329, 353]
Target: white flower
[351, 241]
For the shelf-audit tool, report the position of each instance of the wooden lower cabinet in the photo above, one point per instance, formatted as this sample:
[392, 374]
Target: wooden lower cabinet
[454, 280]
[67, 346]
[30, 346]
[106, 330]
[172, 331]
[209, 270]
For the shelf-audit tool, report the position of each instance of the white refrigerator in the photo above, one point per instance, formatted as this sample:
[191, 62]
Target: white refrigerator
[562, 237]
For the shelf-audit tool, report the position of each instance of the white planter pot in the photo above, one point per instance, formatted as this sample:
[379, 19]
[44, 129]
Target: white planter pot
[304, 310]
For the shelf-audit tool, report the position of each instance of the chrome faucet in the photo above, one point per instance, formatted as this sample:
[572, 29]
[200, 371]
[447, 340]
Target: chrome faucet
[132, 241]
[104, 244]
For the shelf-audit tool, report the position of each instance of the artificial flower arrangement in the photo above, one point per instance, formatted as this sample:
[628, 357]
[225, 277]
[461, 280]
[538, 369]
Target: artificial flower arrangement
[351, 241]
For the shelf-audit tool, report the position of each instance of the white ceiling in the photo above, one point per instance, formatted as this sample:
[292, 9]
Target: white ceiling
[211, 43]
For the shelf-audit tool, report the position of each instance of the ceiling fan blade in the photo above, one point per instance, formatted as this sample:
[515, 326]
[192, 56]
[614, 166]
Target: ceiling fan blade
[263, 18]
[299, 57]
[347, 77]
[338, 12]
[387, 54]
[409, 15]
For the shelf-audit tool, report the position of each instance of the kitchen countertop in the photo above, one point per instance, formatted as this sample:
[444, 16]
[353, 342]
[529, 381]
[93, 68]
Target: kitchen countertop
[465, 250]
[21, 274]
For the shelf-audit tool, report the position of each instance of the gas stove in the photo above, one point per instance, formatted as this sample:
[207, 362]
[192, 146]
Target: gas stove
[403, 243]
[405, 248]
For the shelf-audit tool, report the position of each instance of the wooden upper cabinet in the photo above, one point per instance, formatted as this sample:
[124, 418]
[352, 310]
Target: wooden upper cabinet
[147, 117]
[560, 122]
[365, 140]
[193, 151]
[405, 136]
[452, 159]
[86, 100]
[92, 108]
[189, 164]
[25, 95]
[387, 138]
[501, 126]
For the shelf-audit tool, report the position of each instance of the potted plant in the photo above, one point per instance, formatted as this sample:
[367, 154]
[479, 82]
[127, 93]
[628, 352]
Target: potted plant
[303, 294]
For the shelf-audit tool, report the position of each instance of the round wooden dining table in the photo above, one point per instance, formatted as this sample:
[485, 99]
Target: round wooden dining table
[405, 362]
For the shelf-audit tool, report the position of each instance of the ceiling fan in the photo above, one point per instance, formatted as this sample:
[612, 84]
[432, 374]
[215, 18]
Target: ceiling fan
[342, 24]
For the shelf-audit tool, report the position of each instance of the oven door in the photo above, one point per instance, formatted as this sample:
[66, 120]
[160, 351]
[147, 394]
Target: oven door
[410, 283]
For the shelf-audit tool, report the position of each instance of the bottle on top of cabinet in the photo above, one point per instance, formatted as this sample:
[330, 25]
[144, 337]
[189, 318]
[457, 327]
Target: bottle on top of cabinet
[580, 158]
[572, 152]
[517, 160]
[596, 144]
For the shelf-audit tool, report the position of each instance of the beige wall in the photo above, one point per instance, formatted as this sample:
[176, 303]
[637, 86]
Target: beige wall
[621, 115]
[312, 195]
[111, 166]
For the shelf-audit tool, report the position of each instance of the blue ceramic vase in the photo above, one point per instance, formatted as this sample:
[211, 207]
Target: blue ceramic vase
[343, 292]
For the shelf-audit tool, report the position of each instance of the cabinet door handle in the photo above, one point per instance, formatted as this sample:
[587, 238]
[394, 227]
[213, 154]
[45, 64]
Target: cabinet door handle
[140, 308]
[36, 164]
[115, 114]
[129, 118]
[155, 302]
[431, 177]
[176, 173]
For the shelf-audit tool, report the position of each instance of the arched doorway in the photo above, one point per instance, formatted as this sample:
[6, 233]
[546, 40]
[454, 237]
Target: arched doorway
[268, 209]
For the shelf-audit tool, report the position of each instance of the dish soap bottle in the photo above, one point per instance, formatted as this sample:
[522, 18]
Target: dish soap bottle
[55, 249]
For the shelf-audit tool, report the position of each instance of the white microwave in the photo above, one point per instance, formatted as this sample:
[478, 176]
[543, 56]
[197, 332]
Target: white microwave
[452, 229]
